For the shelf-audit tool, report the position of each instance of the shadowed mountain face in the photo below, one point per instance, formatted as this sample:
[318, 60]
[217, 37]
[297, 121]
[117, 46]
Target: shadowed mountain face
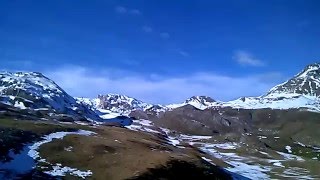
[190, 120]
[204, 100]
[184, 170]
[294, 125]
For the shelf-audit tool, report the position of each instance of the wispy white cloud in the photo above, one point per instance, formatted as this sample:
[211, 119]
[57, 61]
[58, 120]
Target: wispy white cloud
[155, 88]
[121, 9]
[135, 11]
[165, 35]
[124, 10]
[147, 29]
[183, 53]
[247, 59]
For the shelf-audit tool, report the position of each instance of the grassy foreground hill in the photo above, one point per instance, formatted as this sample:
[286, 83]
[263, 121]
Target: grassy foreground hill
[112, 153]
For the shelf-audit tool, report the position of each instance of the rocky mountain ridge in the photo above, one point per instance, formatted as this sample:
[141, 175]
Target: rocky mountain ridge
[300, 92]
[33, 91]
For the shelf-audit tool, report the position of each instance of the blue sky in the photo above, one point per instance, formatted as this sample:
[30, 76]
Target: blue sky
[161, 51]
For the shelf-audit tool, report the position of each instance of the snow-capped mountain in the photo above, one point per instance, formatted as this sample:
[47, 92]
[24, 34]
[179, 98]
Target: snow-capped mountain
[200, 102]
[92, 103]
[300, 92]
[306, 82]
[35, 92]
[200, 99]
[119, 104]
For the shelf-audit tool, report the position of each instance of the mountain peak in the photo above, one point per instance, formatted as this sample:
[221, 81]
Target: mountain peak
[120, 98]
[200, 99]
[120, 103]
[307, 82]
[22, 74]
[10, 81]
[317, 64]
[310, 70]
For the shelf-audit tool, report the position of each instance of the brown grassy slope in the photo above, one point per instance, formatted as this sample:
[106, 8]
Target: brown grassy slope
[117, 153]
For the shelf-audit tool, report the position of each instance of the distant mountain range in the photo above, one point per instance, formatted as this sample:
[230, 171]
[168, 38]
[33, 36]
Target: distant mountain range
[300, 92]
[36, 94]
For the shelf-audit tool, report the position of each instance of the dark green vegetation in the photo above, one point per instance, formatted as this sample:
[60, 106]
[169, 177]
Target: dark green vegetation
[12, 112]
[37, 175]
[14, 134]
[182, 170]
[13, 140]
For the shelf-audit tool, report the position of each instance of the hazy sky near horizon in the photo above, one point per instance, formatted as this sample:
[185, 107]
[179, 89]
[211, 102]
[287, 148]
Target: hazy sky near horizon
[161, 51]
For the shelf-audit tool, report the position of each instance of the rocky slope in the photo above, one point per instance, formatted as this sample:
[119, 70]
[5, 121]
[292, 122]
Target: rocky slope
[33, 93]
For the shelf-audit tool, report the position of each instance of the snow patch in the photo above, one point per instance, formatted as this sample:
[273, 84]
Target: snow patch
[58, 170]
[208, 160]
[145, 122]
[290, 156]
[237, 166]
[69, 148]
[173, 141]
[288, 148]
[19, 105]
